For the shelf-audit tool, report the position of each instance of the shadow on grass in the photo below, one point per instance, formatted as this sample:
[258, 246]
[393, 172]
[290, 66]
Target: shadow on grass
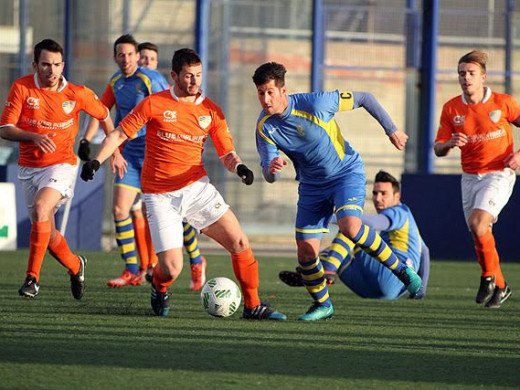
[355, 361]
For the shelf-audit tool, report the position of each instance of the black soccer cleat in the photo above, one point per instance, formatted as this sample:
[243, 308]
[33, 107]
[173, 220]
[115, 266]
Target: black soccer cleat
[293, 279]
[499, 296]
[77, 282]
[486, 289]
[263, 312]
[30, 287]
[160, 302]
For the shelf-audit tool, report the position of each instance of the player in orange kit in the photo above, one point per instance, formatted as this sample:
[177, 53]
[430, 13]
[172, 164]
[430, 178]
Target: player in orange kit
[478, 123]
[42, 114]
[176, 186]
[148, 57]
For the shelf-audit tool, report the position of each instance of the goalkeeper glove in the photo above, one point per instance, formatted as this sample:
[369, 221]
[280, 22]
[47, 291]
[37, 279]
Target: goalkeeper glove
[245, 174]
[84, 150]
[88, 170]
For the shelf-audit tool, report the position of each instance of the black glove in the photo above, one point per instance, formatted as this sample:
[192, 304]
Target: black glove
[84, 150]
[88, 170]
[245, 174]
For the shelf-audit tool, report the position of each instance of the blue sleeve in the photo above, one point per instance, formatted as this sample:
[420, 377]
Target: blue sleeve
[268, 176]
[159, 83]
[397, 216]
[377, 222]
[369, 103]
[267, 152]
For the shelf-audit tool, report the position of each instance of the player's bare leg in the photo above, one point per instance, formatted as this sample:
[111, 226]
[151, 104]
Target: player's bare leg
[228, 233]
[165, 273]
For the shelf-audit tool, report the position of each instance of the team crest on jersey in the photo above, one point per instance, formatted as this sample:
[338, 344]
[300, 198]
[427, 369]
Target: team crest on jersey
[495, 115]
[204, 121]
[169, 116]
[300, 130]
[458, 120]
[68, 106]
[33, 103]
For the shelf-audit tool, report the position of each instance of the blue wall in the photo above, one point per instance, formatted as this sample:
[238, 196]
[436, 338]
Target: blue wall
[84, 228]
[435, 201]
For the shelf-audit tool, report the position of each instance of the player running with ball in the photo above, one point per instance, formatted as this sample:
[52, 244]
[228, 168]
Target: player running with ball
[176, 186]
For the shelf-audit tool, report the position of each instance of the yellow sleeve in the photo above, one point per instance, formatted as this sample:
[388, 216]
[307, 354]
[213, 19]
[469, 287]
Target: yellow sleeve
[346, 101]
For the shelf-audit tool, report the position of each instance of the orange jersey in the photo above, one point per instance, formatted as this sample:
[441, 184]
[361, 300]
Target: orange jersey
[175, 136]
[487, 126]
[49, 112]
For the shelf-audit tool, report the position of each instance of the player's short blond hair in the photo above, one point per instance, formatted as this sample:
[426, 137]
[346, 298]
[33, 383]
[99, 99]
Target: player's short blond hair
[477, 57]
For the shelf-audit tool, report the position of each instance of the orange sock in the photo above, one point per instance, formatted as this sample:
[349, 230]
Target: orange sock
[152, 257]
[39, 241]
[140, 240]
[60, 250]
[488, 258]
[246, 271]
[160, 281]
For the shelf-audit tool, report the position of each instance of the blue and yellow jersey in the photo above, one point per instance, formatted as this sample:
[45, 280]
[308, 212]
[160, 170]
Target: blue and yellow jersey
[126, 92]
[308, 134]
[403, 234]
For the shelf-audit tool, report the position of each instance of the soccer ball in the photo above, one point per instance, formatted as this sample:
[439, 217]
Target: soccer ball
[220, 297]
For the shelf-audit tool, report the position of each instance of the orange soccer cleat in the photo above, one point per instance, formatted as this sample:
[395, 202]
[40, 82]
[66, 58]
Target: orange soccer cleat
[126, 279]
[198, 275]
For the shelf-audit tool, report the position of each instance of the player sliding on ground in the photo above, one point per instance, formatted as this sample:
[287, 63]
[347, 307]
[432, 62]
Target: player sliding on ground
[477, 122]
[365, 276]
[176, 185]
[330, 172]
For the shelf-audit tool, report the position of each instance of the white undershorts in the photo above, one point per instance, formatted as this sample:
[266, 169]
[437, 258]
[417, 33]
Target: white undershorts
[199, 204]
[60, 177]
[488, 191]
[138, 203]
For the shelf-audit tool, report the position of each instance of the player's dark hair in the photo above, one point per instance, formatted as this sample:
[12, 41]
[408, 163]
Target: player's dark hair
[127, 38]
[49, 45]
[476, 56]
[148, 46]
[184, 57]
[270, 71]
[385, 177]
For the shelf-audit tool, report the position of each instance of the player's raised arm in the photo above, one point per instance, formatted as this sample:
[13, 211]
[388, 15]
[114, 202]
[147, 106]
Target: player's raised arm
[367, 101]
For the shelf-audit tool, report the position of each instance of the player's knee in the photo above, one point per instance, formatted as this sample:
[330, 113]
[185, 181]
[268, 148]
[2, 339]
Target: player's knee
[350, 226]
[350, 231]
[478, 226]
[238, 244]
[41, 211]
[137, 213]
[119, 212]
[171, 270]
[306, 253]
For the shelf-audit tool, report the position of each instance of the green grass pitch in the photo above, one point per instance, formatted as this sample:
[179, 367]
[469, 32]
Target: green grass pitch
[110, 340]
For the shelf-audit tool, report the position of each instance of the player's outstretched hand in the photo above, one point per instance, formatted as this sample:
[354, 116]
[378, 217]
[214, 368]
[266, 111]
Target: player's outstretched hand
[398, 139]
[245, 174]
[89, 169]
[84, 150]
